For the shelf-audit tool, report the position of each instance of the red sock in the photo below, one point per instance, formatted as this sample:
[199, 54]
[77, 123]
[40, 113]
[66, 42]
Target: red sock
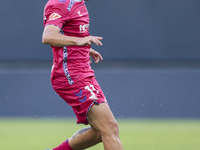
[64, 146]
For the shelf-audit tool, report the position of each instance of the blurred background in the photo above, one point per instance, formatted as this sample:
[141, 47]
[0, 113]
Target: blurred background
[151, 66]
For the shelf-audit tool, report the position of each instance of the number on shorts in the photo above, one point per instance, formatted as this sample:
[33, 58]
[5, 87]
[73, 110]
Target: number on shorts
[93, 96]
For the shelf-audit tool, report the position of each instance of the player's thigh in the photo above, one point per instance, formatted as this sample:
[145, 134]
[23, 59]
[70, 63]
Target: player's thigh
[101, 118]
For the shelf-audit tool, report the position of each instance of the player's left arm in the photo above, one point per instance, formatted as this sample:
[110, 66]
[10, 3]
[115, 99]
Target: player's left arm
[95, 55]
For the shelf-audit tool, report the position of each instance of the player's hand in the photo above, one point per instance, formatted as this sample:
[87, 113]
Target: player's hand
[95, 55]
[89, 40]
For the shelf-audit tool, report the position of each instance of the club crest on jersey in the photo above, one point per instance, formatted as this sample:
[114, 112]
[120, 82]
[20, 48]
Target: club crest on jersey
[54, 16]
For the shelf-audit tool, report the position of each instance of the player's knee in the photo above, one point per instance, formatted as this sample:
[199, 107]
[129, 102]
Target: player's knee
[115, 127]
[112, 127]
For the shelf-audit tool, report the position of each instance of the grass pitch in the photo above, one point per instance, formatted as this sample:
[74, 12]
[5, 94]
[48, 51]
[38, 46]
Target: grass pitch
[145, 134]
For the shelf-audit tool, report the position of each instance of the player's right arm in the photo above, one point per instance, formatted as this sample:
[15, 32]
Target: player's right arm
[52, 36]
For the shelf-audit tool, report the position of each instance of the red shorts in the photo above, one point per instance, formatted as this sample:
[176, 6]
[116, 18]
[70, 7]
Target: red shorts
[81, 96]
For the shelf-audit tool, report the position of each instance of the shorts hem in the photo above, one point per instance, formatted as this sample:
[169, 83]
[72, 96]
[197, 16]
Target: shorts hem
[95, 102]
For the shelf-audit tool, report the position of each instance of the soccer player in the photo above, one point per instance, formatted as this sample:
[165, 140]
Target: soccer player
[66, 29]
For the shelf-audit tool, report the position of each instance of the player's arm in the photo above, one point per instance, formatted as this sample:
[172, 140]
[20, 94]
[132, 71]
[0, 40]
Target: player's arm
[52, 36]
[95, 55]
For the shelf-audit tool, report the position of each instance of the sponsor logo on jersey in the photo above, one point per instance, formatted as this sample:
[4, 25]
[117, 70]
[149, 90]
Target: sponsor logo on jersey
[83, 28]
[54, 16]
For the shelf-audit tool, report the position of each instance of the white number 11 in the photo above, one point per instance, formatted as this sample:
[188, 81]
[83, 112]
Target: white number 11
[93, 96]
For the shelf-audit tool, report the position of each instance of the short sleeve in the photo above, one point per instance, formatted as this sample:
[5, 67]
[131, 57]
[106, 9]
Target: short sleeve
[56, 15]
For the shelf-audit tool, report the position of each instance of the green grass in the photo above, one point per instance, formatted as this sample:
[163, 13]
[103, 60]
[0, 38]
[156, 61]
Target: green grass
[39, 134]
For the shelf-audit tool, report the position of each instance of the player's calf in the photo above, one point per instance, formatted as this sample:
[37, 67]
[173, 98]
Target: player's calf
[85, 138]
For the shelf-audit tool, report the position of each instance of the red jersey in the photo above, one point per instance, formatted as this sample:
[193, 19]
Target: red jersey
[70, 63]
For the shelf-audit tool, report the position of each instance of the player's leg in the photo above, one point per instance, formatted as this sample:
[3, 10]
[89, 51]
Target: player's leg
[102, 119]
[82, 139]
[85, 138]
